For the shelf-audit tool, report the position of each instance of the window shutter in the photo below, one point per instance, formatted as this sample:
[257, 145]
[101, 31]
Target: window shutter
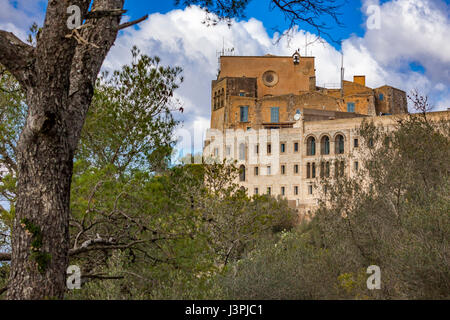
[350, 107]
[275, 114]
[244, 114]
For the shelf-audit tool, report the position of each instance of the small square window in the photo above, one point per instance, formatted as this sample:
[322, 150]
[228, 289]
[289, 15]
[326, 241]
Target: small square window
[350, 107]
[244, 114]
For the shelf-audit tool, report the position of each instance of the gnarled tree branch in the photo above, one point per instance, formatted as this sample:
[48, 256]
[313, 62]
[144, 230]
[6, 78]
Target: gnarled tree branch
[5, 256]
[16, 56]
[132, 23]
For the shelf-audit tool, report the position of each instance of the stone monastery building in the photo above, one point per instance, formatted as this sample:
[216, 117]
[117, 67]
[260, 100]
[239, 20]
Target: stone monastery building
[285, 131]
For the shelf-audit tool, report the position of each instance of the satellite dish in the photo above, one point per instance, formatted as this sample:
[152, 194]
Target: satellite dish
[297, 117]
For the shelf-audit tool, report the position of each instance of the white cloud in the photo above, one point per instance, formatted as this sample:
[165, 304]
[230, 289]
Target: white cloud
[412, 31]
[18, 16]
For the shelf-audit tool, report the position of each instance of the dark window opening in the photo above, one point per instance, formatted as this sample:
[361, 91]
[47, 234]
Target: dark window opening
[325, 145]
[311, 146]
[242, 173]
[339, 142]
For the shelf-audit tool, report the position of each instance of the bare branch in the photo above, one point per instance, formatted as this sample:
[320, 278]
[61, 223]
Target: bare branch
[132, 23]
[107, 245]
[97, 14]
[102, 277]
[5, 256]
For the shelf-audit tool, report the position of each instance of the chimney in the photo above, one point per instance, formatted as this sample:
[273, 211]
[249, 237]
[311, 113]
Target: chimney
[360, 80]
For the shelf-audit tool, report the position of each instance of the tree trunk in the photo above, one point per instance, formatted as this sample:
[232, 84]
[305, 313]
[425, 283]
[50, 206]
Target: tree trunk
[59, 76]
[40, 238]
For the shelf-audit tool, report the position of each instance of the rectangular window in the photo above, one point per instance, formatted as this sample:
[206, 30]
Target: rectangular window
[296, 168]
[283, 191]
[269, 148]
[242, 94]
[310, 189]
[275, 114]
[256, 191]
[356, 165]
[296, 190]
[257, 149]
[242, 151]
[283, 169]
[216, 152]
[256, 171]
[269, 170]
[296, 147]
[350, 107]
[228, 150]
[269, 191]
[244, 114]
[381, 97]
[356, 143]
[283, 148]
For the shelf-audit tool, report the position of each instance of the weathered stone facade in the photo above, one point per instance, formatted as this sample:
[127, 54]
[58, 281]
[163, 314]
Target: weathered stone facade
[269, 129]
[271, 81]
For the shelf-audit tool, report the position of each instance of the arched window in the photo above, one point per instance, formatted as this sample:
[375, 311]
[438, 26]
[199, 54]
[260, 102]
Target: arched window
[311, 146]
[339, 143]
[242, 173]
[325, 145]
[242, 151]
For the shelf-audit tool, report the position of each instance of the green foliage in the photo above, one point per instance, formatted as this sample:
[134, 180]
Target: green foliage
[130, 124]
[190, 231]
[394, 213]
[39, 256]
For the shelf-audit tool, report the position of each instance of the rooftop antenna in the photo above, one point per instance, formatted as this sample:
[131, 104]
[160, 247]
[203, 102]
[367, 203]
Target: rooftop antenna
[342, 73]
[224, 51]
[306, 44]
[192, 151]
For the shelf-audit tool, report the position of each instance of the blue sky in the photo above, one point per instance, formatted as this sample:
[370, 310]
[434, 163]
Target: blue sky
[352, 16]
[410, 49]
